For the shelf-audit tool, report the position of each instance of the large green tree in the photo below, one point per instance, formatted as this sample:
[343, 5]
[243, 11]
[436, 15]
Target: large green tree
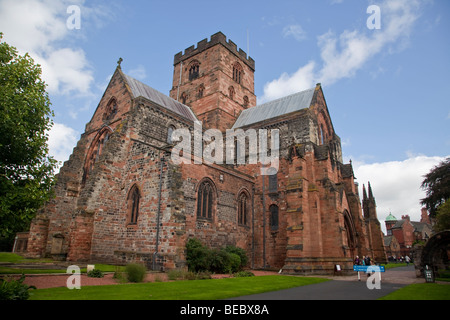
[437, 186]
[443, 217]
[26, 169]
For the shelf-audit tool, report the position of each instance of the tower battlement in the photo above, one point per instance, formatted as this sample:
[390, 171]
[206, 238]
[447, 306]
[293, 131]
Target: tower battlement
[217, 38]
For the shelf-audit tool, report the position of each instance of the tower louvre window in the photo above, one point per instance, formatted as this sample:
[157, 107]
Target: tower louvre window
[194, 70]
[237, 72]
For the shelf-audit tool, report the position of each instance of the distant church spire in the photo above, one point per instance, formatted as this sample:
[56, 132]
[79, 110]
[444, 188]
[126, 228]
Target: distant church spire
[364, 193]
[370, 191]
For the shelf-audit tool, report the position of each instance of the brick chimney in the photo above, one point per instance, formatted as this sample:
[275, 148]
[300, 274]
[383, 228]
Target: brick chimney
[405, 217]
[424, 217]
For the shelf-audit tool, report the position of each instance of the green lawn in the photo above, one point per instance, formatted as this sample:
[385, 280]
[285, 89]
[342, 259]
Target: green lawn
[212, 289]
[421, 291]
[18, 259]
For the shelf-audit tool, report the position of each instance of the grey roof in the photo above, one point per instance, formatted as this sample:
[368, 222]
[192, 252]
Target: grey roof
[140, 89]
[275, 108]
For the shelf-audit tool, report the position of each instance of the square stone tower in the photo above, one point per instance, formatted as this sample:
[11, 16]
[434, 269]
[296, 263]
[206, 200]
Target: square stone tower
[216, 80]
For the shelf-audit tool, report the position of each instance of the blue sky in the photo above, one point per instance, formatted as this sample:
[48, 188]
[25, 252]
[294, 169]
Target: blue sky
[386, 88]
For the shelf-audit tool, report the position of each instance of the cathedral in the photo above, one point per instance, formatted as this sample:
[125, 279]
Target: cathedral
[121, 198]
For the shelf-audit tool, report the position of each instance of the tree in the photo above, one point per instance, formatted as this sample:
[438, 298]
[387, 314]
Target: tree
[437, 187]
[443, 217]
[26, 169]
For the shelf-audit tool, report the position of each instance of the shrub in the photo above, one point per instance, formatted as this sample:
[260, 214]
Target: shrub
[187, 275]
[14, 289]
[198, 257]
[95, 273]
[226, 260]
[241, 274]
[135, 272]
[234, 263]
[240, 252]
[174, 274]
[220, 261]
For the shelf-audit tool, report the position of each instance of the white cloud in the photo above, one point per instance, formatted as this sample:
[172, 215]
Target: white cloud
[294, 30]
[287, 84]
[138, 73]
[39, 28]
[342, 56]
[61, 141]
[396, 185]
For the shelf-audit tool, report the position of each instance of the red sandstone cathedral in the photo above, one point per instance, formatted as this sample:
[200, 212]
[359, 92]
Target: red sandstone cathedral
[120, 198]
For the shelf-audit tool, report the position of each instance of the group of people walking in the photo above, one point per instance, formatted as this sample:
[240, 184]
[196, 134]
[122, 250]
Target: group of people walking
[365, 261]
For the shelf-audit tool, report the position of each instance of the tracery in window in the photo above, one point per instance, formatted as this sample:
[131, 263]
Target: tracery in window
[194, 70]
[205, 198]
[237, 72]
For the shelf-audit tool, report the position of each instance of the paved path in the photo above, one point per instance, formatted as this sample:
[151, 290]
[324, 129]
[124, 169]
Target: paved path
[344, 287]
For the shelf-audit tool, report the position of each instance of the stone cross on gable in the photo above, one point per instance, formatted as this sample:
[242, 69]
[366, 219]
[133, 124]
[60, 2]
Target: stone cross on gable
[119, 62]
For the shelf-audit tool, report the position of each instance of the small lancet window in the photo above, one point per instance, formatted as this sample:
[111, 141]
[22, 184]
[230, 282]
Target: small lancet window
[243, 209]
[245, 102]
[133, 205]
[201, 89]
[184, 97]
[231, 92]
[273, 217]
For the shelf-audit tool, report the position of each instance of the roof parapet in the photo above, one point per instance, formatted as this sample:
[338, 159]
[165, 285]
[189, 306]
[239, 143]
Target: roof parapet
[217, 38]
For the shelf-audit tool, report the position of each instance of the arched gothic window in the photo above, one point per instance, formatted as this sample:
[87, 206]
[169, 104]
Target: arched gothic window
[134, 197]
[243, 208]
[194, 70]
[245, 102]
[237, 72]
[273, 180]
[111, 110]
[231, 92]
[273, 217]
[201, 88]
[94, 151]
[205, 199]
[183, 97]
